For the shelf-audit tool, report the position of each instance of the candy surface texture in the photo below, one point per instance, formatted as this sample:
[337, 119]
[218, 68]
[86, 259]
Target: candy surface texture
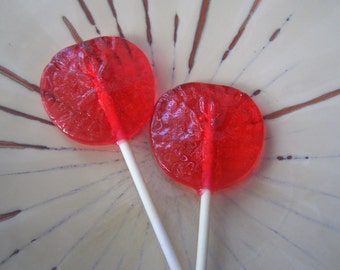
[207, 136]
[80, 78]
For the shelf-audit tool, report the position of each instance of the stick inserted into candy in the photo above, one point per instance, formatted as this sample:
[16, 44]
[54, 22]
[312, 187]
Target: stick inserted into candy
[102, 92]
[208, 137]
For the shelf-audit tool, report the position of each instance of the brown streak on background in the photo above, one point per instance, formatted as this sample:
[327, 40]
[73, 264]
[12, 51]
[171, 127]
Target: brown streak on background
[199, 30]
[25, 115]
[241, 29]
[6, 72]
[176, 22]
[73, 31]
[113, 10]
[147, 20]
[9, 215]
[274, 35]
[299, 106]
[88, 15]
[256, 92]
[8, 144]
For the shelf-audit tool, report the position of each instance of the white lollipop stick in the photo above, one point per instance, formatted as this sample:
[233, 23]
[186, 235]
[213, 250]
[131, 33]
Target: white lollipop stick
[207, 169]
[149, 206]
[108, 107]
[203, 231]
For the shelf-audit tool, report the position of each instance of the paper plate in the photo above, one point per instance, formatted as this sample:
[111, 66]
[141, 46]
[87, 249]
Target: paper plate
[64, 205]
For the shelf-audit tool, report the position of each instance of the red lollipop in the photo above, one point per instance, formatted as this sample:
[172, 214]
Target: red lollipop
[86, 86]
[208, 137]
[102, 91]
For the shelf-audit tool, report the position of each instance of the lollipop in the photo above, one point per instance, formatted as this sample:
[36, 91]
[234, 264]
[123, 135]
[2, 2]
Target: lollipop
[101, 92]
[208, 137]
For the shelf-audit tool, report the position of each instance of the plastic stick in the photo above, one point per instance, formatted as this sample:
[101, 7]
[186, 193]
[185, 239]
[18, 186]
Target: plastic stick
[149, 206]
[203, 231]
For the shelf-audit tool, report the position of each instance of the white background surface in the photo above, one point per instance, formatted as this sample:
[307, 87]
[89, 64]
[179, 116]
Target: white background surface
[79, 208]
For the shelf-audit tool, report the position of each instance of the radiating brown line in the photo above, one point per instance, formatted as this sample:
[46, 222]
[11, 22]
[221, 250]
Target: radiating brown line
[25, 115]
[275, 34]
[113, 10]
[199, 30]
[176, 23]
[147, 20]
[8, 144]
[9, 215]
[299, 106]
[16, 145]
[277, 31]
[72, 30]
[256, 92]
[241, 29]
[88, 15]
[10, 74]
[87, 12]
[15, 252]
[284, 158]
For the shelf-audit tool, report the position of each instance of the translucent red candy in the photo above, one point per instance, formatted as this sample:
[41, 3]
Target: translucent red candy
[105, 72]
[207, 136]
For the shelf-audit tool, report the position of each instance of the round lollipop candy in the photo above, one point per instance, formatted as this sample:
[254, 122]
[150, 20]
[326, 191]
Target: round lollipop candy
[102, 91]
[208, 137]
